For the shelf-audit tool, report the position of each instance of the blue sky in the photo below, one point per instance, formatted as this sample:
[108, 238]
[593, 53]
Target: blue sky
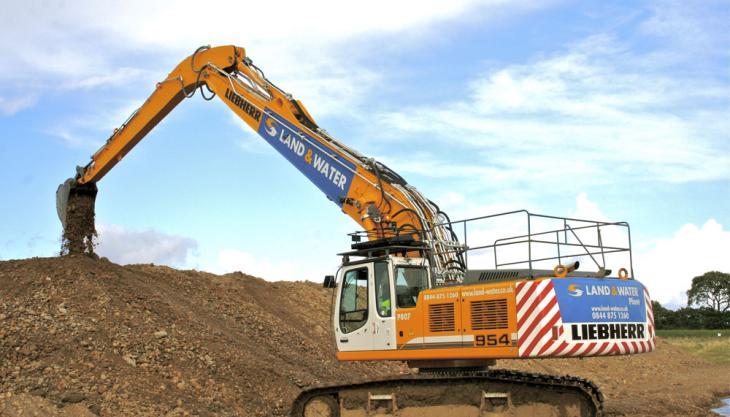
[615, 111]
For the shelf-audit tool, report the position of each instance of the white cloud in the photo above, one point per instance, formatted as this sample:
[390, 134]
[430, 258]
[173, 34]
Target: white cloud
[424, 164]
[164, 26]
[125, 246]
[314, 49]
[114, 77]
[75, 139]
[331, 88]
[666, 266]
[91, 129]
[231, 260]
[686, 24]
[587, 209]
[594, 114]
[451, 199]
[10, 106]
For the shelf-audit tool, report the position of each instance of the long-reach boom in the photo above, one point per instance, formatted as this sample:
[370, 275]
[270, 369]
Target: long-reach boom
[372, 194]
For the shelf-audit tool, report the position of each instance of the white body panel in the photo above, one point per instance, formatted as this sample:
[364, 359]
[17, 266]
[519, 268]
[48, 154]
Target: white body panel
[378, 332]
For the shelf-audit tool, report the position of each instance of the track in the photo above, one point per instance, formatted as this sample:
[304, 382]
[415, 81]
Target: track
[478, 393]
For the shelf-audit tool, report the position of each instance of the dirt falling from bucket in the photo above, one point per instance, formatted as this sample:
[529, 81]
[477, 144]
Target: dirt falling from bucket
[80, 232]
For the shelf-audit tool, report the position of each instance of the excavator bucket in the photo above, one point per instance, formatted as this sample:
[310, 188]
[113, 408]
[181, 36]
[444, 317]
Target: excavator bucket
[75, 207]
[62, 194]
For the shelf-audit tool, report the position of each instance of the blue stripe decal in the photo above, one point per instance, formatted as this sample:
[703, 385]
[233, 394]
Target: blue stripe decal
[332, 176]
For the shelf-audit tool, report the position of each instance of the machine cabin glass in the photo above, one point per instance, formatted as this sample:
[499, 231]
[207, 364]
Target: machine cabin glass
[409, 282]
[382, 290]
[354, 300]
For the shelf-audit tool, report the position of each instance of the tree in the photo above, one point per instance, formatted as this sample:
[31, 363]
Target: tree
[663, 318]
[711, 290]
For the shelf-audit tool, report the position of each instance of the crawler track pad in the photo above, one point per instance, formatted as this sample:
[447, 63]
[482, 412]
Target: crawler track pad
[474, 394]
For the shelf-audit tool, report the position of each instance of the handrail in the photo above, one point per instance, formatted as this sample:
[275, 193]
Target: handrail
[533, 238]
[538, 240]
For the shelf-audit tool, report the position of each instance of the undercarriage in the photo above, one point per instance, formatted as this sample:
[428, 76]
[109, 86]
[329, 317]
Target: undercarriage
[493, 393]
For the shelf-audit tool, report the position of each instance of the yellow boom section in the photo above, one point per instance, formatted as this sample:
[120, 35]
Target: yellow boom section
[374, 196]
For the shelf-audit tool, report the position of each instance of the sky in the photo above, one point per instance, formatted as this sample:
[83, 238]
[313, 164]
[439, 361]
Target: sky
[615, 111]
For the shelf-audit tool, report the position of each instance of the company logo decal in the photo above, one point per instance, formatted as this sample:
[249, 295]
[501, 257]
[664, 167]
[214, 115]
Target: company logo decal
[575, 290]
[604, 331]
[589, 300]
[309, 155]
[244, 105]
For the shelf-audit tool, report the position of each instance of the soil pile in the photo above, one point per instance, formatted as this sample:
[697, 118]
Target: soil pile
[152, 341]
[79, 334]
[26, 405]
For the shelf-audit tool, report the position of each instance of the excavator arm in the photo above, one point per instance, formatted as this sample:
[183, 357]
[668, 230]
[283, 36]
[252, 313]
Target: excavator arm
[373, 195]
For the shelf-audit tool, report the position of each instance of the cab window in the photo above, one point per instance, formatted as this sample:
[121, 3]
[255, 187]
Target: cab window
[354, 300]
[382, 289]
[409, 282]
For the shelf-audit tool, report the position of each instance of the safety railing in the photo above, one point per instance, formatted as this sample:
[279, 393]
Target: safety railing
[544, 242]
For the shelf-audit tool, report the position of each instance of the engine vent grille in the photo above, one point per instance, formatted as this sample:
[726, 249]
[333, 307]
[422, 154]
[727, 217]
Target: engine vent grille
[497, 275]
[489, 314]
[441, 318]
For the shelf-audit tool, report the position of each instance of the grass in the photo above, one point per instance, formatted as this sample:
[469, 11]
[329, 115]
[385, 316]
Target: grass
[694, 333]
[705, 344]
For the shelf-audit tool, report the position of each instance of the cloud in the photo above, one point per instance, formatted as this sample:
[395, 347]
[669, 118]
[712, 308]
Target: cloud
[75, 139]
[112, 78]
[322, 58]
[10, 106]
[164, 27]
[690, 25]
[231, 260]
[599, 111]
[666, 266]
[587, 209]
[91, 129]
[125, 246]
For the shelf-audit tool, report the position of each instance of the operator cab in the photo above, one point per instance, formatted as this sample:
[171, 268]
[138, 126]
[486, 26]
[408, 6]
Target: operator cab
[377, 280]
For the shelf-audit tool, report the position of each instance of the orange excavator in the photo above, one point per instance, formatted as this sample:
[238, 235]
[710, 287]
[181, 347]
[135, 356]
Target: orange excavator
[405, 291]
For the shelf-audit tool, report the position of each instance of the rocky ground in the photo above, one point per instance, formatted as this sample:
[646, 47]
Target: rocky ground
[666, 382]
[85, 337]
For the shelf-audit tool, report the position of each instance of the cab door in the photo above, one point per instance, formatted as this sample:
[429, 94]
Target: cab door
[383, 307]
[353, 312]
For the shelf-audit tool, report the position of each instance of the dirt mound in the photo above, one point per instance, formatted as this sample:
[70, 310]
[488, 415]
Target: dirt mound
[25, 405]
[148, 340]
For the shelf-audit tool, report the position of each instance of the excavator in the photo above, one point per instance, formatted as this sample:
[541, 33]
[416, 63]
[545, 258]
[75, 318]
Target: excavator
[405, 291]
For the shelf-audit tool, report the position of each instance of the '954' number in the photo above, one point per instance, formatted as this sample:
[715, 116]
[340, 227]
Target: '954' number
[491, 340]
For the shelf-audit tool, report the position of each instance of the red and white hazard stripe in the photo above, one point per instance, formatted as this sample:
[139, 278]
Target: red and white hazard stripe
[537, 314]
[651, 343]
